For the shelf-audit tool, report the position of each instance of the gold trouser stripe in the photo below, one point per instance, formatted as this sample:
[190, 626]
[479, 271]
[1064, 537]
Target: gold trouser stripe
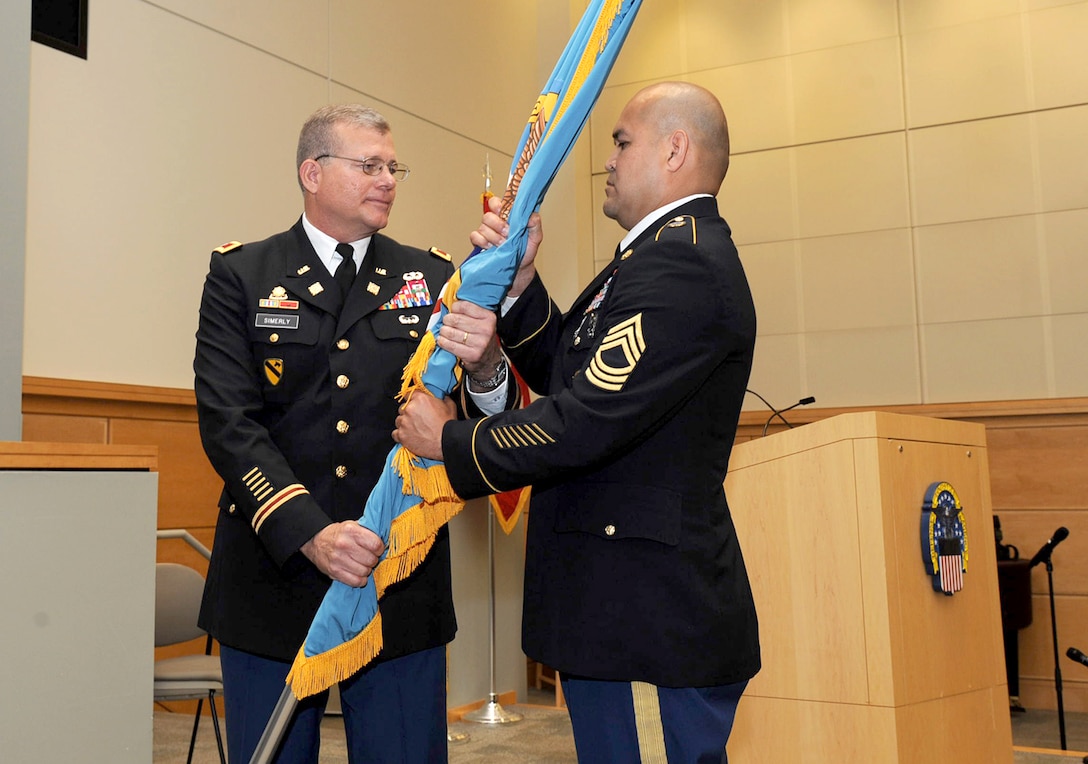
[651, 732]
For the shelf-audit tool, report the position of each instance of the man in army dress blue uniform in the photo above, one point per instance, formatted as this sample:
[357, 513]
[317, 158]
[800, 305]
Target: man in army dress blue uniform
[297, 370]
[635, 587]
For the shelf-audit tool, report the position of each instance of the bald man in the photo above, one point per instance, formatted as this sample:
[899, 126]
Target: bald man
[635, 587]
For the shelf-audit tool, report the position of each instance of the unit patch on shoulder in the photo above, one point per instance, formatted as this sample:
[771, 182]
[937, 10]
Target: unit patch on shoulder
[680, 227]
[225, 248]
[617, 355]
[440, 254]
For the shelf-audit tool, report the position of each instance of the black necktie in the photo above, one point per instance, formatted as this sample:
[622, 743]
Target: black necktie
[345, 273]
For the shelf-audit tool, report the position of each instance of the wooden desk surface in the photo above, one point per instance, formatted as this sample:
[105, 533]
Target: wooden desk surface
[76, 456]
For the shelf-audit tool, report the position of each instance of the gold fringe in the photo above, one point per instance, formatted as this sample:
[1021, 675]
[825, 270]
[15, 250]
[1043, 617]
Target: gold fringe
[404, 462]
[411, 377]
[413, 531]
[411, 536]
[310, 676]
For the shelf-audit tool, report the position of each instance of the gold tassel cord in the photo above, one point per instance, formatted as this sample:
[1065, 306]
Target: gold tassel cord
[411, 377]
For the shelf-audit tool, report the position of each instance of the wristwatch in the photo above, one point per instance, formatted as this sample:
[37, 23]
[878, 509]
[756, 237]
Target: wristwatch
[487, 385]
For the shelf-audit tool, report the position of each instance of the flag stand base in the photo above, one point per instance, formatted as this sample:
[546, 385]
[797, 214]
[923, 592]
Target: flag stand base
[492, 713]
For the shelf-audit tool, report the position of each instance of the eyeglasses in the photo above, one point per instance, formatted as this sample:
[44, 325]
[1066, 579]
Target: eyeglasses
[372, 165]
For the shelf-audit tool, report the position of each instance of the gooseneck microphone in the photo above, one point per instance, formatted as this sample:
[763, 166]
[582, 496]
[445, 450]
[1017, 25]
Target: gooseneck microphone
[1077, 655]
[1043, 555]
[779, 412]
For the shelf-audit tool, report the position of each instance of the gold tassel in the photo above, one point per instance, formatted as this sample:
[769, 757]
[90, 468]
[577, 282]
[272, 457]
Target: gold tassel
[310, 676]
[411, 377]
[404, 463]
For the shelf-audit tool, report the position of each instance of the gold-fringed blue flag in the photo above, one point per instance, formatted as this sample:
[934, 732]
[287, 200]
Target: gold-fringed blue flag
[413, 498]
[508, 506]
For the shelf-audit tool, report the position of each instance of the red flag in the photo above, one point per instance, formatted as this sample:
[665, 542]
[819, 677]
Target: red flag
[509, 505]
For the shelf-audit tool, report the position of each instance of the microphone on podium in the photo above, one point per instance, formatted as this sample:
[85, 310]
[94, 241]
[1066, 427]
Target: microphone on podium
[1043, 555]
[1077, 655]
[779, 412]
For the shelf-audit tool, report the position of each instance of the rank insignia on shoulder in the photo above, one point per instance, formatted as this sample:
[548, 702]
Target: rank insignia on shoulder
[684, 225]
[440, 254]
[225, 248]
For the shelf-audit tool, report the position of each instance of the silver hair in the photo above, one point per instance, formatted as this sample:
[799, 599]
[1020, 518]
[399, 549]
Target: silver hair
[318, 135]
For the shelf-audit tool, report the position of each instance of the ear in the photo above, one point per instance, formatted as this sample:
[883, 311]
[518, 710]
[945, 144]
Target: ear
[679, 146]
[309, 173]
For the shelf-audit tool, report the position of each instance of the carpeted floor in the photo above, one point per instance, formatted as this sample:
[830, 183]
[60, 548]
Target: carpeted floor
[544, 737]
[1037, 737]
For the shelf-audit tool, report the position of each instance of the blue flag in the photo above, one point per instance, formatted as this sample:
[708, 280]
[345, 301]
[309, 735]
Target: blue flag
[413, 498]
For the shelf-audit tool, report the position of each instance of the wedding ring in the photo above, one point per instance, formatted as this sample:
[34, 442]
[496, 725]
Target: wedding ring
[464, 340]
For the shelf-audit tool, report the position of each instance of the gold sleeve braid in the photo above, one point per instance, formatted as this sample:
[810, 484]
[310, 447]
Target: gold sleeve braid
[533, 333]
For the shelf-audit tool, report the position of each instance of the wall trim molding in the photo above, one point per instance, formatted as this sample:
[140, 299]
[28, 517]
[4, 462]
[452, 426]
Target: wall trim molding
[1041, 412]
[46, 395]
[66, 397]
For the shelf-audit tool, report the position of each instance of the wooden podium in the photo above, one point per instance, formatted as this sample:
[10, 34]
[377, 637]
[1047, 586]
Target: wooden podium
[862, 660]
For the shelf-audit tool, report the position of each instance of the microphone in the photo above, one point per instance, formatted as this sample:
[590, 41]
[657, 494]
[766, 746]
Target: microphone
[1077, 655]
[1043, 555]
[778, 412]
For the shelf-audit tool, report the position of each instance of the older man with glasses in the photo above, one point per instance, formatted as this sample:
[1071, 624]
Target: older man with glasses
[301, 342]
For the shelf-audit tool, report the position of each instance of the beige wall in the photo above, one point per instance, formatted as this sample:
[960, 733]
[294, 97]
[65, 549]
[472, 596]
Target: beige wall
[178, 133]
[908, 187]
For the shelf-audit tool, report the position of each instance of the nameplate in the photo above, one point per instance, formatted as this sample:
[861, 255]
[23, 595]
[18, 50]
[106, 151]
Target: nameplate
[276, 321]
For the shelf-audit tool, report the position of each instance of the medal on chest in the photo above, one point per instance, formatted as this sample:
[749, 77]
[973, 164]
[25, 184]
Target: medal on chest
[587, 328]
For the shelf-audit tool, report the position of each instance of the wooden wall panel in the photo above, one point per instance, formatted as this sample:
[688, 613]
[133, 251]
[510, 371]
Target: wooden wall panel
[1039, 467]
[188, 486]
[1029, 530]
[47, 428]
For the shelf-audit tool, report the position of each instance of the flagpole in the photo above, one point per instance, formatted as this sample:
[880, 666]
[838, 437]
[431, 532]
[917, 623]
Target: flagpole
[491, 712]
[277, 725]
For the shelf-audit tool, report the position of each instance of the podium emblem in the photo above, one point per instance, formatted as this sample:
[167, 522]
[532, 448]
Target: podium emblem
[944, 538]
